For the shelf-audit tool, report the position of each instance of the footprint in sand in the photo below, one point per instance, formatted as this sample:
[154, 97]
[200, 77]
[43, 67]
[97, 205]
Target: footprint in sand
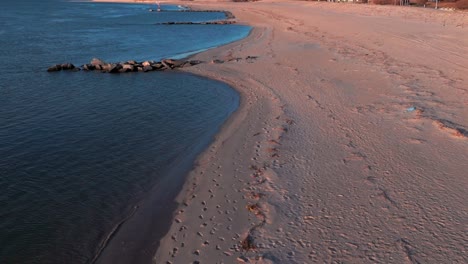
[355, 156]
[416, 141]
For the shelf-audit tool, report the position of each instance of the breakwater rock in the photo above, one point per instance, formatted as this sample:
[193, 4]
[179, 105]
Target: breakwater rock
[228, 14]
[218, 22]
[64, 67]
[128, 66]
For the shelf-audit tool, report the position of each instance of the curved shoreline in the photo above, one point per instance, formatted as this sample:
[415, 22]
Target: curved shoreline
[322, 150]
[113, 248]
[275, 130]
[260, 109]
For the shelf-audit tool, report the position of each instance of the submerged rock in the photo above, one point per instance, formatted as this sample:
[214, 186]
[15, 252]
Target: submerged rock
[60, 67]
[54, 68]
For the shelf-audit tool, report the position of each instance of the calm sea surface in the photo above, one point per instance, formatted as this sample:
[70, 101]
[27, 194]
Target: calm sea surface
[79, 150]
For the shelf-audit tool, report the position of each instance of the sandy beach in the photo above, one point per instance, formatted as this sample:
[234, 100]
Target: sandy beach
[350, 144]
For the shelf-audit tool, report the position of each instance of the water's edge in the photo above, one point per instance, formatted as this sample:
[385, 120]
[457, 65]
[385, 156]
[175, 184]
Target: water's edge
[148, 221]
[124, 244]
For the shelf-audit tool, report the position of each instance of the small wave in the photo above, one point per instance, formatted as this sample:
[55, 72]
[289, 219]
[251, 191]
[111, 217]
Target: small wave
[186, 54]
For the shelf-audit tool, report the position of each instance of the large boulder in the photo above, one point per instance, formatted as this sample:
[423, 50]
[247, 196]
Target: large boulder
[67, 66]
[147, 68]
[127, 68]
[104, 67]
[166, 65]
[175, 63]
[157, 66]
[147, 63]
[114, 68]
[96, 62]
[63, 66]
[111, 67]
[88, 67]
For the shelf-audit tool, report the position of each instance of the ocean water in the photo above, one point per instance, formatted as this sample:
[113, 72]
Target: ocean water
[80, 151]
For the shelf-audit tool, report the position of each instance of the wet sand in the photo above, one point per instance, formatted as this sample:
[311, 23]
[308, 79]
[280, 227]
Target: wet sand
[350, 144]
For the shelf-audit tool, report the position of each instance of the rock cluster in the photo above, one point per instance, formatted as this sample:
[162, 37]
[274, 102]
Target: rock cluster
[64, 66]
[228, 14]
[128, 66]
[218, 22]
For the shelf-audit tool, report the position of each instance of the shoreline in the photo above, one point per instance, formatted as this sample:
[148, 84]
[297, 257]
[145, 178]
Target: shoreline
[117, 251]
[323, 160]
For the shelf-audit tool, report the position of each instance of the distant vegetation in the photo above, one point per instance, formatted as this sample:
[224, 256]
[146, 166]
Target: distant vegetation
[456, 4]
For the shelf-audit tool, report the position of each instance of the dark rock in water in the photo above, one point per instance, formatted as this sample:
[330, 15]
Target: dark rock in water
[168, 62]
[127, 68]
[114, 68]
[175, 63]
[88, 67]
[55, 68]
[68, 66]
[60, 67]
[147, 68]
[157, 66]
[111, 67]
[147, 63]
[220, 22]
[105, 67]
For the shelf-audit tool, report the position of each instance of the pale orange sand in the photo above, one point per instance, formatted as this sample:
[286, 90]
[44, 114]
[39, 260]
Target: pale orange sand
[326, 161]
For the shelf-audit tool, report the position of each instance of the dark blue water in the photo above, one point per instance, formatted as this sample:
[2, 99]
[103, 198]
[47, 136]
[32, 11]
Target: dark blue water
[79, 150]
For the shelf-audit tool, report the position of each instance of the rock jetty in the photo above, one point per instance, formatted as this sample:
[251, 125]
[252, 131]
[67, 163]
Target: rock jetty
[228, 14]
[64, 67]
[128, 66]
[218, 22]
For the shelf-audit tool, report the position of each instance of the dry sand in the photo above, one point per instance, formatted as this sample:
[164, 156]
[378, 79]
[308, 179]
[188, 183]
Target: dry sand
[326, 161]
